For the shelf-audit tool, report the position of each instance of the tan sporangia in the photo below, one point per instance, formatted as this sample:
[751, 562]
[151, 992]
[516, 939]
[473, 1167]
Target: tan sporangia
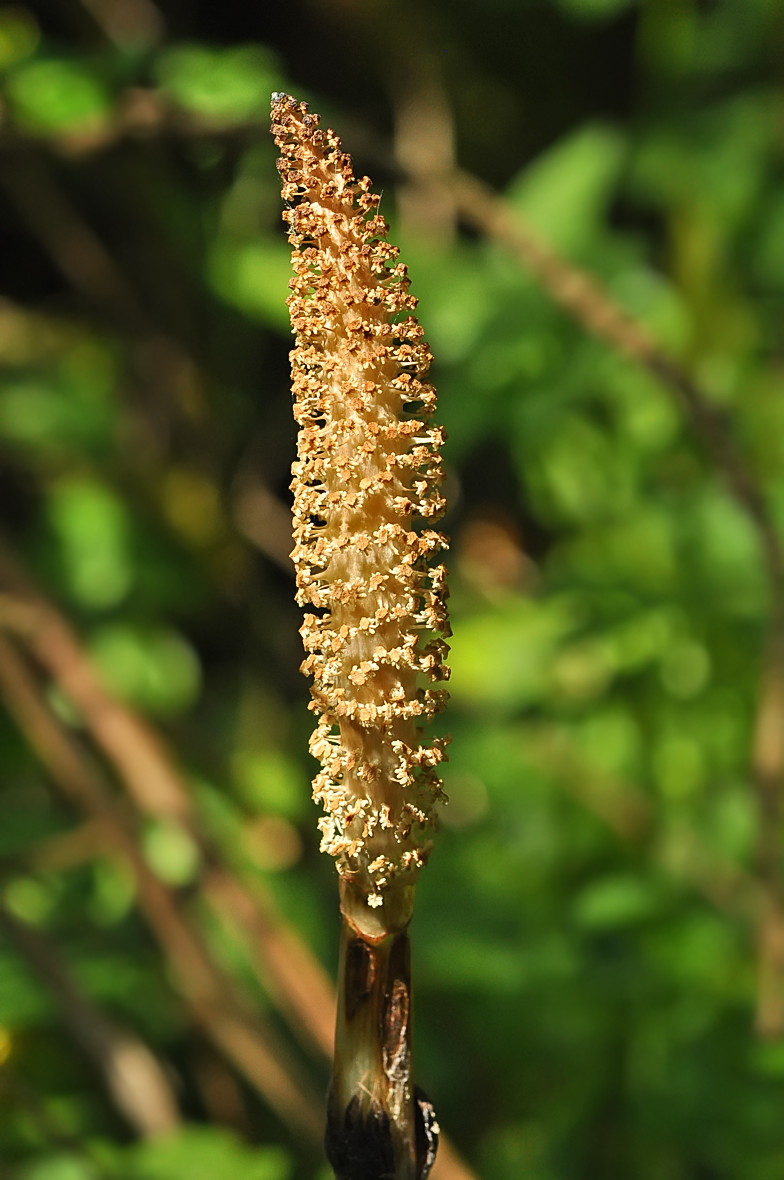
[366, 491]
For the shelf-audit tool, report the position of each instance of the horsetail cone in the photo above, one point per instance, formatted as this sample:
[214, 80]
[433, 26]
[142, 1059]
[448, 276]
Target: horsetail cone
[366, 491]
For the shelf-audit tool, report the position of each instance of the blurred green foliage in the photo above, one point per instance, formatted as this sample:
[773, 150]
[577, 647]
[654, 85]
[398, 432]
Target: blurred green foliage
[586, 943]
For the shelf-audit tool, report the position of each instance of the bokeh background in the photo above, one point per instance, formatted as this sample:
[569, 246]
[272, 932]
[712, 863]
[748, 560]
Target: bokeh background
[599, 940]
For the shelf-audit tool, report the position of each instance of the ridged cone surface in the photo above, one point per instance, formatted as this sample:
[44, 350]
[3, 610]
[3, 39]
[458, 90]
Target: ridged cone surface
[366, 490]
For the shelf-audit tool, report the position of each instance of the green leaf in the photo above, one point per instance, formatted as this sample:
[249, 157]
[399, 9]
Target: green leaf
[504, 658]
[208, 1153]
[60, 1167]
[456, 299]
[114, 890]
[23, 1000]
[769, 254]
[154, 667]
[254, 277]
[19, 35]
[220, 85]
[91, 525]
[271, 782]
[577, 474]
[49, 416]
[475, 963]
[615, 902]
[57, 96]
[564, 193]
[727, 548]
[171, 852]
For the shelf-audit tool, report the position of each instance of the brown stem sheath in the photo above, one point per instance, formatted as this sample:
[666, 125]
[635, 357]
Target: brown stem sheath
[370, 1114]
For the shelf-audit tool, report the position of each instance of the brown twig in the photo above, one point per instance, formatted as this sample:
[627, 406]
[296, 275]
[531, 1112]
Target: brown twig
[66, 850]
[128, 24]
[295, 979]
[253, 1047]
[265, 521]
[132, 1075]
[424, 144]
[220, 1090]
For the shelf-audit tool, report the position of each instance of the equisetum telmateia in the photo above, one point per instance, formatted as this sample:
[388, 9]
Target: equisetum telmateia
[366, 491]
